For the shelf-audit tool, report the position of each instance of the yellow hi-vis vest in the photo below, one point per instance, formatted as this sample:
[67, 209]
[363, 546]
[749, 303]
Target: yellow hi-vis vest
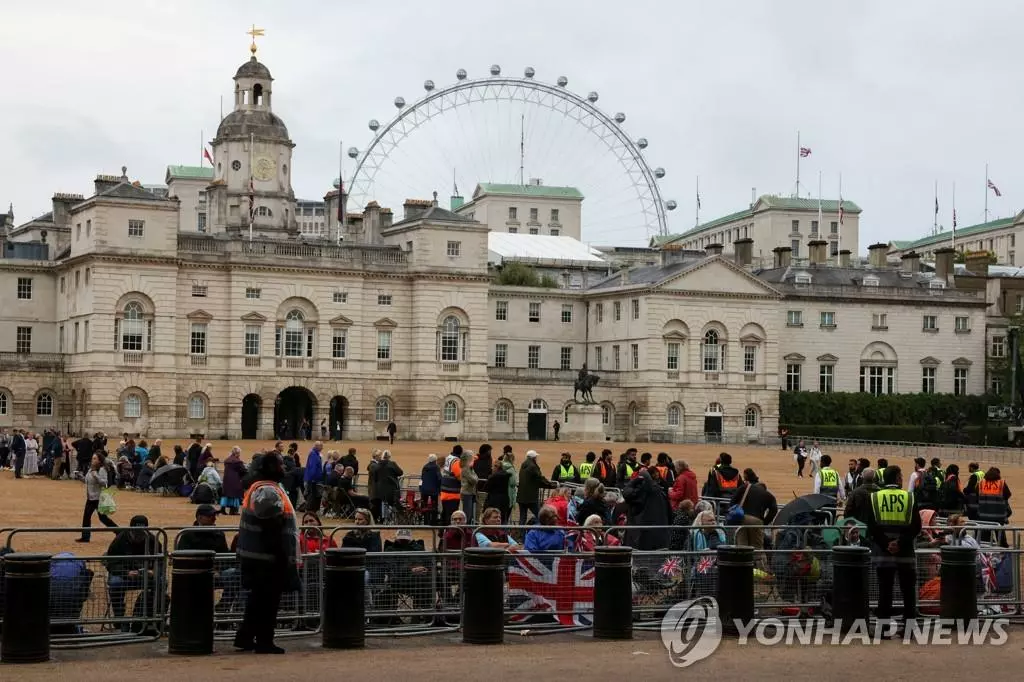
[829, 481]
[586, 469]
[567, 473]
[893, 507]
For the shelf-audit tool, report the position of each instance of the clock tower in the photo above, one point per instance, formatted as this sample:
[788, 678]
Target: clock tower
[252, 156]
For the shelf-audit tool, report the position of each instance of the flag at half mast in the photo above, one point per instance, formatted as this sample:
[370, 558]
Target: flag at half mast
[805, 151]
[992, 186]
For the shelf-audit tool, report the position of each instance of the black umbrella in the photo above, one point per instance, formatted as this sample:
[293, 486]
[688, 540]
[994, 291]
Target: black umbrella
[169, 476]
[808, 504]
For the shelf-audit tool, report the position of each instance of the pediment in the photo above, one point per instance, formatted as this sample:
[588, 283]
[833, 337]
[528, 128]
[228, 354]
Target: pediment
[752, 338]
[828, 357]
[962, 362]
[199, 316]
[254, 317]
[930, 361]
[342, 321]
[674, 335]
[717, 275]
[385, 323]
[794, 357]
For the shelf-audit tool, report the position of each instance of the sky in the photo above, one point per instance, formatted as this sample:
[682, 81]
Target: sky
[894, 97]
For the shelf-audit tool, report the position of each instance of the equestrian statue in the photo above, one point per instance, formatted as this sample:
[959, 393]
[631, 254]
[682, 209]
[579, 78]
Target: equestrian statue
[584, 385]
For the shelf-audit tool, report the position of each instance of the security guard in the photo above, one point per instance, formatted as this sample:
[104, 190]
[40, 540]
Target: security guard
[895, 524]
[565, 471]
[826, 481]
[587, 468]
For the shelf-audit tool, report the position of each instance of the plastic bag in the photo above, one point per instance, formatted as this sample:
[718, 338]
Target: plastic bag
[107, 504]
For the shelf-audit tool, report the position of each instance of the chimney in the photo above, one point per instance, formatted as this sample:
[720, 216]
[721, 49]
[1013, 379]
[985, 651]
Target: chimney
[104, 182]
[713, 249]
[911, 262]
[977, 263]
[783, 256]
[456, 202]
[743, 251]
[371, 222]
[877, 255]
[625, 276]
[414, 208]
[671, 254]
[818, 251]
[844, 258]
[944, 264]
[386, 218]
[62, 204]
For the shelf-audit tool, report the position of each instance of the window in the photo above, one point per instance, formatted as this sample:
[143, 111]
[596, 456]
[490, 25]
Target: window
[1011, 258]
[133, 328]
[78, 231]
[534, 230]
[197, 407]
[501, 310]
[383, 299]
[252, 292]
[534, 214]
[794, 246]
[252, 340]
[615, 358]
[23, 340]
[634, 352]
[996, 387]
[86, 335]
[599, 308]
[927, 380]
[264, 212]
[501, 355]
[960, 381]
[533, 357]
[384, 345]
[749, 359]
[513, 214]
[565, 358]
[339, 344]
[794, 318]
[961, 324]
[750, 418]
[294, 331]
[534, 311]
[636, 308]
[814, 228]
[136, 228]
[1020, 303]
[76, 336]
[931, 323]
[606, 415]
[998, 346]
[554, 215]
[339, 297]
[828, 318]
[201, 222]
[78, 278]
[60, 339]
[636, 415]
[555, 232]
[674, 415]
[879, 321]
[792, 377]
[450, 340]
[199, 290]
[826, 378]
[567, 313]
[712, 351]
[382, 410]
[24, 288]
[598, 357]
[617, 309]
[87, 271]
[132, 406]
[62, 285]
[501, 413]
[451, 412]
[513, 230]
[834, 227]
[796, 227]
[454, 249]
[672, 357]
[44, 405]
[197, 340]
[877, 380]
[3, 404]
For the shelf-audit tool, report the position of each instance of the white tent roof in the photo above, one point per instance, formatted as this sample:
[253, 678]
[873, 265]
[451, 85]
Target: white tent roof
[503, 245]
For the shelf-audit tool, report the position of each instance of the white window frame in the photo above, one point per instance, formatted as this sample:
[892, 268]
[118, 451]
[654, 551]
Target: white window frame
[384, 340]
[751, 417]
[132, 406]
[339, 297]
[930, 323]
[384, 299]
[501, 311]
[198, 338]
[794, 318]
[339, 343]
[533, 357]
[711, 351]
[960, 380]
[827, 318]
[673, 416]
[253, 292]
[24, 288]
[998, 346]
[749, 359]
[565, 358]
[136, 228]
[382, 410]
[450, 412]
[4, 402]
[501, 412]
[635, 303]
[197, 407]
[672, 356]
[454, 249]
[929, 375]
[567, 313]
[45, 404]
[826, 377]
[534, 314]
[961, 323]
[501, 355]
[794, 376]
[634, 351]
[23, 340]
[252, 340]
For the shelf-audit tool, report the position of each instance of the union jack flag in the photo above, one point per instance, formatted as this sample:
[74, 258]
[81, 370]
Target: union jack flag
[560, 585]
[992, 186]
[805, 151]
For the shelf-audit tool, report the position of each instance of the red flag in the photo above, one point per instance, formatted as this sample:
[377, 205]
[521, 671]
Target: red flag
[805, 151]
[206, 155]
[992, 186]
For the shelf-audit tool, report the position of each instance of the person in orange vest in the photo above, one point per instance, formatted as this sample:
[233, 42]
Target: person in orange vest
[993, 502]
[451, 484]
[268, 551]
[723, 479]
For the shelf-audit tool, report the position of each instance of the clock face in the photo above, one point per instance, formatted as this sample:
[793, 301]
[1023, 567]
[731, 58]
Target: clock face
[236, 165]
[264, 168]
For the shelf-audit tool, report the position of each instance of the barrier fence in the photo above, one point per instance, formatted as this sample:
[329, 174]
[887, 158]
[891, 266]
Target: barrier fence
[947, 452]
[415, 580]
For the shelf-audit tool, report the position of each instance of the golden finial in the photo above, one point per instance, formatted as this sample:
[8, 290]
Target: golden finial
[255, 33]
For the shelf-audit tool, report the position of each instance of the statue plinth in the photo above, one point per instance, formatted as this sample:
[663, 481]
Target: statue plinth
[583, 423]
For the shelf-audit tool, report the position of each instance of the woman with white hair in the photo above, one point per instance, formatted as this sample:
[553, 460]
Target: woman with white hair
[593, 535]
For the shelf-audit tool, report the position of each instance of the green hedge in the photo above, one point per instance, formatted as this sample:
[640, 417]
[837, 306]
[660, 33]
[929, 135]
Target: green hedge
[858, 409]
[972, 435]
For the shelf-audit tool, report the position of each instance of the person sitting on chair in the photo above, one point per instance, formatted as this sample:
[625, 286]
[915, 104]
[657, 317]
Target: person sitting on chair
[128, 569]
[408, 575]
[226, 574]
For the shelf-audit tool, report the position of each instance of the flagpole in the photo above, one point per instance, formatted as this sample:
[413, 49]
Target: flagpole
[201, 147]
[935, 219]
[819, 204]
[797, 164]
[986, 192]
[696, 220]
[252, 198]
[952, 242]
[839, 230]
[341, 189]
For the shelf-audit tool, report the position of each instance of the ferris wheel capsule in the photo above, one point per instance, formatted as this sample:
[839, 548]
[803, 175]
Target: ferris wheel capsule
[495, 70]
[529, 72]
[353, 152]
[399, 102]
[374, 124]
[562, 81]
[461, 74]
[620, 117]
[428, 85]
[659, 172]
[642, 143]
[671, 204]
[592, 96]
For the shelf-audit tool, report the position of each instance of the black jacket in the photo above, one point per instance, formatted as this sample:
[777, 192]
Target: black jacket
[128, 544]
[497, 489]
[574, 477]
[605, 472]
[194, 452]
[83, 449]
[858, 504]
[591, 505]
[483, 467]
[713, 488]
[350, 461]
[211, 540]
[622, 474]
[430, 479]
[760, 503]
[154, 453]
[387, 487]
[648, 506]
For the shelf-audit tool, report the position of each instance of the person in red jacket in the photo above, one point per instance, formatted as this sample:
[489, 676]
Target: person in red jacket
[313, 539]
[685, 486]
[559, 501]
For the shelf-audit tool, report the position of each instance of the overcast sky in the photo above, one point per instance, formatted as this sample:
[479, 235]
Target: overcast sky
[893, 95]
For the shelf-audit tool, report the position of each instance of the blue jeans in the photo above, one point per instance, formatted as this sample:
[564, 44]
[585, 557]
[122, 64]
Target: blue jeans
[469, 506]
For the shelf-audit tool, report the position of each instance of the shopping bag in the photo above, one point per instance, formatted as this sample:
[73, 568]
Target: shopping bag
[107, 504]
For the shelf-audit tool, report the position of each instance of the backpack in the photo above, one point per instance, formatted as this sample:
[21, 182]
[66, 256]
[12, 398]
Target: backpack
[928, 485]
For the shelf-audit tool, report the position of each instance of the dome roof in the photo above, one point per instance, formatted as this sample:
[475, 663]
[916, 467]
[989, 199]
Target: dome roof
[253, 69]
[261, 123]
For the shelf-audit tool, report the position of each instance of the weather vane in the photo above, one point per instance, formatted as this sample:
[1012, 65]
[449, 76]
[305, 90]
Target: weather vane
[255, 33]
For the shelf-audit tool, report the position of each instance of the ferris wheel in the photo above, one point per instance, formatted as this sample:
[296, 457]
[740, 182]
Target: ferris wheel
[513, 130]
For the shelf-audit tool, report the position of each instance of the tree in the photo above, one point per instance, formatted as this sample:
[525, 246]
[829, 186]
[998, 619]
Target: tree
[520, 275]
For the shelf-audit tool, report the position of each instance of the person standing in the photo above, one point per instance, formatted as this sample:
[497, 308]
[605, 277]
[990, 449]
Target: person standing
[195, 451]
[826, 480]
[95, 482]
[268, 551]
[451, 484]
[587, 467]
[759, 509]
[430, 488]
[531, 480]
[389, 484]
[18, 448]
[232, 490]
[314, 476]
[5, 448]
[815, 456]
[993, 502]
[31, 466]
[565, 471]
[800, 457]
[501, 486]
[392, 429]
[894, 524]
[323, 427]
[556, 427]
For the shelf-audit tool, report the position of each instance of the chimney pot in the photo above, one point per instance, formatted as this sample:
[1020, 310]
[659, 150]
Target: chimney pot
[911, 262]
[877, 255]
[713, 249]
[844, 258]
[783, 256]
[977, 263]
[944, 264]
[818, 251]
[743, 251]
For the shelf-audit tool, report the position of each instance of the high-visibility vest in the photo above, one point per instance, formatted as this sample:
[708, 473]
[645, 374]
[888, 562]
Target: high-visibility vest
[663, 472]
[253, 540]
[586, 469]
[726, 484]
[565, 473]
[629, 470]
[829, 481]
[979, 474]
[893, 506]
[991, 505]
[878, 477]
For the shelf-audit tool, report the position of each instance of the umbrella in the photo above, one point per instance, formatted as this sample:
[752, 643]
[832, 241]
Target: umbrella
[808, 504]
[169, 476]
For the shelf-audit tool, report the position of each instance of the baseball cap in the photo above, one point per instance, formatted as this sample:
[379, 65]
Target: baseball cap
[206, 510]
[403, 534]
[139, 521]
[531, 453]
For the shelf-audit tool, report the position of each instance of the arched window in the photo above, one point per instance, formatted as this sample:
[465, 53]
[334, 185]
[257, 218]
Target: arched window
[451, 340]
[134, 328]
[132, 406]
[4, 404]
[451, 412]
[294, 328]
[751, 417]
[606, 415]
[44, 405]
[674, 415]
[712, 351]
[257, 94]
[197, 407]
[538, 404]
[382, 410]
[634, 415]
[264, 212]
[500, 412]
[715, 408]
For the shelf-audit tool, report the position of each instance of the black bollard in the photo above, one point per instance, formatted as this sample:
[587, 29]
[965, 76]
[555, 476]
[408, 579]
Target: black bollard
[851, 572]
[958, 598]
[613, 593]
[26, 633]
[483, 597]
[735, 592]
[191, 626]
[344, 602]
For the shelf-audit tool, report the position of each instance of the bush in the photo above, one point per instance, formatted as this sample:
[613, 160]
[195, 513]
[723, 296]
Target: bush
[972, 435]
[863, 409]
[519, 275]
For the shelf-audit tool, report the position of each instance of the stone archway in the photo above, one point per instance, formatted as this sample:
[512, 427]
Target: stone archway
[251, 405]
[293, 409]
[337, 420]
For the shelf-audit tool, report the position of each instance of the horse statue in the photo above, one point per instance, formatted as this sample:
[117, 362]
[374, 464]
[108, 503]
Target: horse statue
[585, 385]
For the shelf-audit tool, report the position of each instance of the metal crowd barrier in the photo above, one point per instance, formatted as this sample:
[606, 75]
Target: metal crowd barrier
[947, 452]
